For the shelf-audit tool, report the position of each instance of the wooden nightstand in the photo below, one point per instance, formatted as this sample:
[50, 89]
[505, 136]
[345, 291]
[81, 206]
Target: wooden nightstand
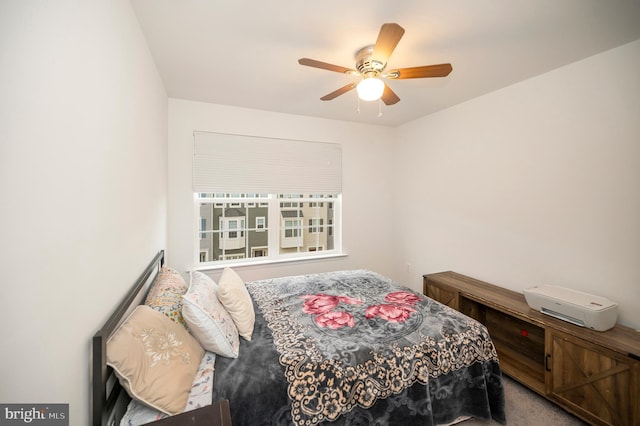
[216, 414]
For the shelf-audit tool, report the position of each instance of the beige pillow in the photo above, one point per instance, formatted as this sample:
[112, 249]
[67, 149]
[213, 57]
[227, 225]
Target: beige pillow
[155, 358]
[234, 296]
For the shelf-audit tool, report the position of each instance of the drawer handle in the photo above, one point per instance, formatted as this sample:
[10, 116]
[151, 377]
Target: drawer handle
[546, 362]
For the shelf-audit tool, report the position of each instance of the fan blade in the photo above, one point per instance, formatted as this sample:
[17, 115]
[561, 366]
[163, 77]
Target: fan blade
[388, 96]
[426, 71]
[340, 91]
[325, 66]
[388, 38]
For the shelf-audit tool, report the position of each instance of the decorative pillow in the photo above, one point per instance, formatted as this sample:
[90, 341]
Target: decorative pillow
[165, 294]
[155, 359]
[199, 396]
[207, 319]
[234, 296]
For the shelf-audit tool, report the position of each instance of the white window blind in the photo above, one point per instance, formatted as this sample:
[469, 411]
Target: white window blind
[248, 164]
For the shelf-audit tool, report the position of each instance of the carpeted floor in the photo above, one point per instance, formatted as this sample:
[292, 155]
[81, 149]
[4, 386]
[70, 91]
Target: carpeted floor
[526, 408]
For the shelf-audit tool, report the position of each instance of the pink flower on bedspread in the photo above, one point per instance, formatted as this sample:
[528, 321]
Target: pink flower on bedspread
[391, 313]
[403, 298]
[323, 303]
[335, 320]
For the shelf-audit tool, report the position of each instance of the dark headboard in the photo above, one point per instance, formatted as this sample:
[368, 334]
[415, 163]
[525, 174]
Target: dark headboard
[108, 399]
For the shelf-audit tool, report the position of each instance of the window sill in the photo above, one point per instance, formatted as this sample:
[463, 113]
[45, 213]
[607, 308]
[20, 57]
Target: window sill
[232, 264]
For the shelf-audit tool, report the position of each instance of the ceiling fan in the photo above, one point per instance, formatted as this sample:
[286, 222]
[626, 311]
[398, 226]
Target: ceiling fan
[371, 62]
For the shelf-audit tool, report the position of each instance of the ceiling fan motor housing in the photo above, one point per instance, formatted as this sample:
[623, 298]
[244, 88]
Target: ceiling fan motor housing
[368, 66]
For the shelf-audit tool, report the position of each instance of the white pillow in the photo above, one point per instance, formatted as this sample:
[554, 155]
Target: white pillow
[234, 296]
[207, 319]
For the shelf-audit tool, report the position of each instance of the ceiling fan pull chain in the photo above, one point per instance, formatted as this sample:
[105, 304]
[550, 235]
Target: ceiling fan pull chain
[358, 105]
[379, 107]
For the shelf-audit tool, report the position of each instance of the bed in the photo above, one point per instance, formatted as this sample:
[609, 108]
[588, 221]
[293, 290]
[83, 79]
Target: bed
[336, 348]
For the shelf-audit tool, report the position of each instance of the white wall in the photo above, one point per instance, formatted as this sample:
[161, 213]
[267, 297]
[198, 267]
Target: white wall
[366, 182]
[535, 184]
[83, 184]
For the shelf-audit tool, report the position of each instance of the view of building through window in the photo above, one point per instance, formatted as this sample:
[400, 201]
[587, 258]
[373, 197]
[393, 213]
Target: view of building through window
[245, 226]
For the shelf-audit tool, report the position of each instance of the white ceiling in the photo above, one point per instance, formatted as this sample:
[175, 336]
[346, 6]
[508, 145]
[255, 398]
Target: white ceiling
[245, 53]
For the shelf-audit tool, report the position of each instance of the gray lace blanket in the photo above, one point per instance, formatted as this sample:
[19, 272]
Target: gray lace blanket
[352, 347]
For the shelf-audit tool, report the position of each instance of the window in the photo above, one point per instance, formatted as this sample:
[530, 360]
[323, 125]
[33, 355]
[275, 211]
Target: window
[315, 225]
[252, 226]
[259, 251]
[203, 225]
[265, 199]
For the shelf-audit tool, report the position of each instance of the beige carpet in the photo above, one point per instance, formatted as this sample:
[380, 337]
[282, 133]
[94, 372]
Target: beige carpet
[526, 408]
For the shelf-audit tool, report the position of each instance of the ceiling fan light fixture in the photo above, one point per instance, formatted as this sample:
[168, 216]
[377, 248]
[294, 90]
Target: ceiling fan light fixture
[370, 89]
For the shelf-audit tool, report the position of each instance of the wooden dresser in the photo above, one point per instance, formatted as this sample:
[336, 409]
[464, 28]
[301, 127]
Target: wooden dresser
[594, 375]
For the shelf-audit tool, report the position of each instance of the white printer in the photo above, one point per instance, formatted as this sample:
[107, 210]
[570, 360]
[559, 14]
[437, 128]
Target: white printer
[576, 307]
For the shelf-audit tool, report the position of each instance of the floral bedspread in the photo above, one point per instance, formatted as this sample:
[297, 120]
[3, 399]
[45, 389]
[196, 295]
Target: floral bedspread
[347, 340]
